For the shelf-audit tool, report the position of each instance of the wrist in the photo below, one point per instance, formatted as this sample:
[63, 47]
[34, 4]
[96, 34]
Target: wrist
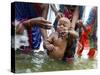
[56, 12]
[31, 21]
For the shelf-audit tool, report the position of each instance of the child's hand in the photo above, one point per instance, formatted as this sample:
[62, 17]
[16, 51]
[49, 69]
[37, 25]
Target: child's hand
[62, 34]
[73, 33]
[50, 47]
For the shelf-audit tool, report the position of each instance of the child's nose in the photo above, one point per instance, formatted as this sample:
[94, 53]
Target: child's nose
[61, 26]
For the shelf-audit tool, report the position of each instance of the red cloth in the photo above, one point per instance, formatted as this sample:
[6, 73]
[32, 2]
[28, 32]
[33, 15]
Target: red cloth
[91, 53]
[84, 39]
[68, 14]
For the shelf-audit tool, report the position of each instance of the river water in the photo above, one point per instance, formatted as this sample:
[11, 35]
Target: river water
[40, 62]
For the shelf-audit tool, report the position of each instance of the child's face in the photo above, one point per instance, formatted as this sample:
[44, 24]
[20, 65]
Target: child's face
[63, 24]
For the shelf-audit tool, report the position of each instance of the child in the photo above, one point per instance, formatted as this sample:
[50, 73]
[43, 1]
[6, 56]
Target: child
[57, 42]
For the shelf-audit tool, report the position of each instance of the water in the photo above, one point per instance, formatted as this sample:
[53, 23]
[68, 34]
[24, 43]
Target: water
[40, 62]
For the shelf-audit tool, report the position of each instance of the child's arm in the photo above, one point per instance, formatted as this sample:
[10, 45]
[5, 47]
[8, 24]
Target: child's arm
[73, 33]
[48, 44]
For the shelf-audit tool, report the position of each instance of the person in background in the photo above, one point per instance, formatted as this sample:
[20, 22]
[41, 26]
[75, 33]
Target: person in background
[88, 36]
[32, 17]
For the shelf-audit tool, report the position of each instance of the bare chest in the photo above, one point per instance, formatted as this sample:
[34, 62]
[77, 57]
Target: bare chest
[58, 41]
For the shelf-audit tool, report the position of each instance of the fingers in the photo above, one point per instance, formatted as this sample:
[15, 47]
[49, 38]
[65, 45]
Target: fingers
[59, 15]
[50, 48]
[40, 20]
[45, 21]
[62, 34]
[46, 26]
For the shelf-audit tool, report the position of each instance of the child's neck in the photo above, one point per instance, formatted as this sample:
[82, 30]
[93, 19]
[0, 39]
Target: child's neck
[63, 37]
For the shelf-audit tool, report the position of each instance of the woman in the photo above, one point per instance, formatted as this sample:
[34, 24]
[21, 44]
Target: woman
[31, 16]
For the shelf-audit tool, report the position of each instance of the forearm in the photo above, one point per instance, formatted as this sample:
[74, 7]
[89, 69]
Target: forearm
[75, 17]
[29, 22]
[47, 44]
[45, 11]
[44, 33]
[44, 15]
[73, 33]
[19, 28]
[21, 25]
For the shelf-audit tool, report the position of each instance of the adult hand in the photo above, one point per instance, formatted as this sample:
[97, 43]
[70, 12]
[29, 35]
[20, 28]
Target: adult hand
[31, 22]
[79, 23]
[59, 15]
[41, 22]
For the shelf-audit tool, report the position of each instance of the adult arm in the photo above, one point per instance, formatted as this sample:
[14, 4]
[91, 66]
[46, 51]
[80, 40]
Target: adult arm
[75, 17]
[29, 23]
